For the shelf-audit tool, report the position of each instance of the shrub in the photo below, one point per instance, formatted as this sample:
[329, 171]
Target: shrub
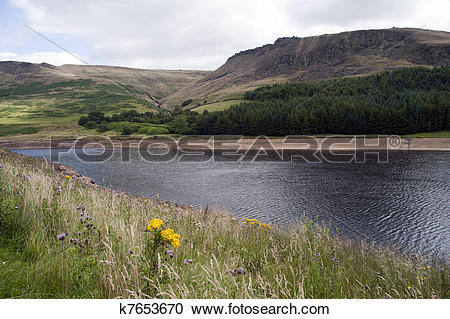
[90, 125]
[127, 130]
[83, 120]
[187, 102]
[102, 127]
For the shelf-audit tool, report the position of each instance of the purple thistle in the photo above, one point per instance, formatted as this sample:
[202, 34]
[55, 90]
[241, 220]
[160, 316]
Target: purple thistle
[86, 241]
[62, 236]
[79, 233]
[185, 262]
[238, 271]
[16, 207]
[190, 261]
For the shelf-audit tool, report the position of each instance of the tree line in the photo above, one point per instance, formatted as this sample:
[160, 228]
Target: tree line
[404, 101]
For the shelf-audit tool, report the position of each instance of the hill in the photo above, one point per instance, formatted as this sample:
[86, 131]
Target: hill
[43, 97]
[315, 58]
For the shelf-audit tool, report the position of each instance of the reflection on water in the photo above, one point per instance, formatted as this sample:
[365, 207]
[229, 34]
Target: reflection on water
[404, 202]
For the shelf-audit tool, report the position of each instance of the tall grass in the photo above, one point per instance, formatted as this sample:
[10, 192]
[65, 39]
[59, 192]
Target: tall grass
[229, 259]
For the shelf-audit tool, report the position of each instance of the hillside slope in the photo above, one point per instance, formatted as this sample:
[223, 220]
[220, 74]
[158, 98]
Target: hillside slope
[35, 97]
[157, 83]
[318, 57]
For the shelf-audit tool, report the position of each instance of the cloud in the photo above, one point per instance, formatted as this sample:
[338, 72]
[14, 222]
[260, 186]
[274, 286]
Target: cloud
[55, 58]
[179, 34]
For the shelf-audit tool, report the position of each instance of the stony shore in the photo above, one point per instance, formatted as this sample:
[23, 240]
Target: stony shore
[221, 143]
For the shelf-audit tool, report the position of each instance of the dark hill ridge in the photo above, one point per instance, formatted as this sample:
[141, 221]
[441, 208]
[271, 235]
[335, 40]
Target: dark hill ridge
[13, 67]
[321, 57]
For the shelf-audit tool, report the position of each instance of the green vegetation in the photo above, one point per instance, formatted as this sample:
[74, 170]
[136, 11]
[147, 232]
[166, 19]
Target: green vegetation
[406, 101]
[216, 106]
[127, 122]
[60, 103]
[139, 128]
[187, 102]
[17, 129]
[218, 256]
[80, 96]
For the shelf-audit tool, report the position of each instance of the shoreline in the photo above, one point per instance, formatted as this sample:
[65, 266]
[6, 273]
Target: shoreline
[276, 144]
[64, 170]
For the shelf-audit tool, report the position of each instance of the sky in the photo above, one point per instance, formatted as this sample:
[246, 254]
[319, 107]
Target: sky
[188, 34]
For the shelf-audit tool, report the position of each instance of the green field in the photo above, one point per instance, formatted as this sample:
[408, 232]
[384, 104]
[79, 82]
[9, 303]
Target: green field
[140, 128]
[39, 110]
[118, 258]
[216, 106]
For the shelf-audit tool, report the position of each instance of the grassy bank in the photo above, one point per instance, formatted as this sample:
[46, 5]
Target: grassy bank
[230, 259]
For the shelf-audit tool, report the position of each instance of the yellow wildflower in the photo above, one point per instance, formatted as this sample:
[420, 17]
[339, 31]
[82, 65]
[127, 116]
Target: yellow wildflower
[155, 223]
[170, 236]
[175, 243]
[254, 221]
[251, 221]
[167, 234]
[409, 287]
[68, 177]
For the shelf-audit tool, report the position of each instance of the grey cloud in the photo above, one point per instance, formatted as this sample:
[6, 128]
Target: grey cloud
[349, 12]
[200, 34]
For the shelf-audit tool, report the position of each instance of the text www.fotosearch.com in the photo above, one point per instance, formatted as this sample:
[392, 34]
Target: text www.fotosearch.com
[241, 309]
